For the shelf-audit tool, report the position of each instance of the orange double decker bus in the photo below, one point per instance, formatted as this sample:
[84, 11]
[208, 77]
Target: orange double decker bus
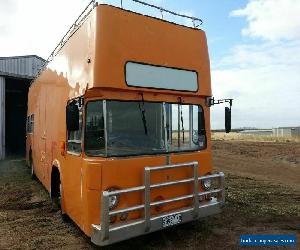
[119, 125]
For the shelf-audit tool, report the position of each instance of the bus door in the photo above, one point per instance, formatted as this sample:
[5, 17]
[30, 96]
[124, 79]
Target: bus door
[72, 170]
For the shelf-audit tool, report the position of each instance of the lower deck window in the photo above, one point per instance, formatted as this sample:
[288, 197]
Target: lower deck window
[94, 129]
[74, 137]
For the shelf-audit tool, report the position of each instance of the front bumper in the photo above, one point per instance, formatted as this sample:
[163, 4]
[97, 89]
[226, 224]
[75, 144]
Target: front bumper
[106, 233]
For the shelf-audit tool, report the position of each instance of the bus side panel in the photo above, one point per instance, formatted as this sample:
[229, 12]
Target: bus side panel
[37, 134]
[92, 182]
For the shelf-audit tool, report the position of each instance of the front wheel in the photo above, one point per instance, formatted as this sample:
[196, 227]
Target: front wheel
[57, 201]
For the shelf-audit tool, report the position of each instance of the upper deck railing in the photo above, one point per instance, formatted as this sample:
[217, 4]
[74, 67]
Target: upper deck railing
[162, 10]
[88, 9]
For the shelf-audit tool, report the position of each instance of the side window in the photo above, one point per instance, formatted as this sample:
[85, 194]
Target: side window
[74, 137]
[30, 123]
[199, 132]
[27, 124]
[94, 129]
[185, 127]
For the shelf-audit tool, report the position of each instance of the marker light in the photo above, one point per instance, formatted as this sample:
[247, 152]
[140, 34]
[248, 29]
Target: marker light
[206, 183]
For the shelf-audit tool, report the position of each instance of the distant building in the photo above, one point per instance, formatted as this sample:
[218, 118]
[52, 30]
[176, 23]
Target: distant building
[278, 132]
[286, 131]
[16, 73]
[257, 132]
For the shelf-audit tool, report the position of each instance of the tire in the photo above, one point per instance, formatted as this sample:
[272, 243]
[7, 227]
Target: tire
[63, 215]
[56, 203]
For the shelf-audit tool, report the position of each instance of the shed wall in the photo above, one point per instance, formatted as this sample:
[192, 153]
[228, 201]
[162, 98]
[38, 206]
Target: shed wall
[2, 118]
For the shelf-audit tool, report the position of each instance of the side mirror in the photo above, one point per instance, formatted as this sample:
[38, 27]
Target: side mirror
[227, 119]
[72, 117]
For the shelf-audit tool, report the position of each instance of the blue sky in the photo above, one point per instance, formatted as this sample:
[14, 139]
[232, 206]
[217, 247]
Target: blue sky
[254, 48]
[222, 30]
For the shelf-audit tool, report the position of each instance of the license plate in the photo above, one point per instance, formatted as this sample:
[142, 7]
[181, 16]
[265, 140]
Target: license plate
[171, 220]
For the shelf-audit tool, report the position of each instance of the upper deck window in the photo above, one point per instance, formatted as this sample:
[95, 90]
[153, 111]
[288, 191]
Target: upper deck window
[160, 77]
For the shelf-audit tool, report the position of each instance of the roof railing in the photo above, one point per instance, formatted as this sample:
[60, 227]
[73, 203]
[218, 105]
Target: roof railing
[162, 10]
[81, 18]
[88, 9]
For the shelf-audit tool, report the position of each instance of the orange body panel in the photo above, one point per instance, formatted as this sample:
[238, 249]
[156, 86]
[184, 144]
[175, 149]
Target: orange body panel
[124, 36]
[109, 38]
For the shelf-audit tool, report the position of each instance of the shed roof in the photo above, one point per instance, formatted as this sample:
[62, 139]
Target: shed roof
[21, 66]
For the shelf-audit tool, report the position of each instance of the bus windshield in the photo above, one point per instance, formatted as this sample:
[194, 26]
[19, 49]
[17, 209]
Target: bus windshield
[123, 128]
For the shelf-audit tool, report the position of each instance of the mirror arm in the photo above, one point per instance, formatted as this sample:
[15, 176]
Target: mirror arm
[210, 101]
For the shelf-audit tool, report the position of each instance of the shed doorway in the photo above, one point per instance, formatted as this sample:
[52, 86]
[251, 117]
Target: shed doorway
[16, 92]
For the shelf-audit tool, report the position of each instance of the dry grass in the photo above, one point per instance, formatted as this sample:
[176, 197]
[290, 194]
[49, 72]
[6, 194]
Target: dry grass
[221, 136]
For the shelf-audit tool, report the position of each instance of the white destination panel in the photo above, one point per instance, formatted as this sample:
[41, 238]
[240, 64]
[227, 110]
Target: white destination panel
[150, 76]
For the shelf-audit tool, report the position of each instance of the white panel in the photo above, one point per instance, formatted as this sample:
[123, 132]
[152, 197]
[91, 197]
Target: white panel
[150, 76]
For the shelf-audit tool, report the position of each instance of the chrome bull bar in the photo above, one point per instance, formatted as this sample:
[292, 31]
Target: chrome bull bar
[105, 233]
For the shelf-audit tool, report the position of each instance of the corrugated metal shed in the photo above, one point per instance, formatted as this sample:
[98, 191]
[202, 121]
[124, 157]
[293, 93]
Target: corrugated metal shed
[21, 66]
[286, 131]
[16, 74]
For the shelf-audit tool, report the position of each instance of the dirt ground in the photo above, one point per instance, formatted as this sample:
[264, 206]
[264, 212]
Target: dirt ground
[262, 196]
[278, 162]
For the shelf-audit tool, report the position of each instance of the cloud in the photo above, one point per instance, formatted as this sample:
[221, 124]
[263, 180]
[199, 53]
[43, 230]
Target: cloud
[263, 96]
[7, 14]
[271, 19]
[262, 54]
[263, 76]
[35, 27]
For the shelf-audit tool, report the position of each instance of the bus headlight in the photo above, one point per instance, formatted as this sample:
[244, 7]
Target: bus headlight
[113, 200]
[206, 184]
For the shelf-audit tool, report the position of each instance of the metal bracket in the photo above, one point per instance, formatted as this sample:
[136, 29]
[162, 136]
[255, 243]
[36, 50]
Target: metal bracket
[210, 101]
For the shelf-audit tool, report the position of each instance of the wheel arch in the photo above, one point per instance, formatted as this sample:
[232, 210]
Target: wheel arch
[56, 178]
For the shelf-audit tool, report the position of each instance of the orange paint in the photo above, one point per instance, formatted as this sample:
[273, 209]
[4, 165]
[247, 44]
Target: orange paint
[107, 39]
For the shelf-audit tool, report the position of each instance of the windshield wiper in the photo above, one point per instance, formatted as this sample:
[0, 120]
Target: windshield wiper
[143, 111]
[181, 118]
[182, 124]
